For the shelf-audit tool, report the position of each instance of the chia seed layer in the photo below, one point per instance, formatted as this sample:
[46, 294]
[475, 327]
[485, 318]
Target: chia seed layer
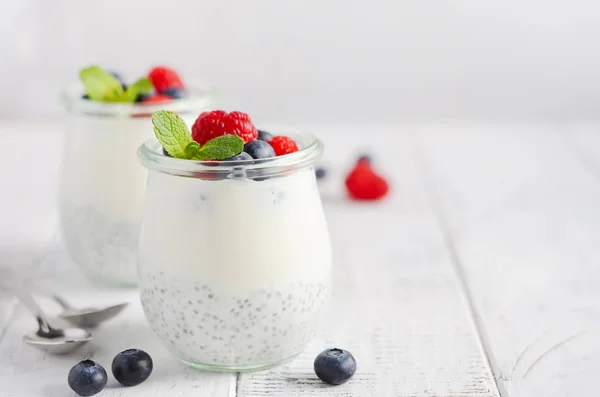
[104, 246]
[205, 325]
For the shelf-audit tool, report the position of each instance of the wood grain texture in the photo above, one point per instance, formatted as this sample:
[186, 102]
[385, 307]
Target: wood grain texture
[396, 304]
[29, 372]
[522, 209]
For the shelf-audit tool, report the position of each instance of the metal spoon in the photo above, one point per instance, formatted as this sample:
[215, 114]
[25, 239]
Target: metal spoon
[49, 339]
[88, 316]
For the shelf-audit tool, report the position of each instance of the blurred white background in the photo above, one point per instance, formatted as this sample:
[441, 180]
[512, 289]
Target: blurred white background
[319, 60]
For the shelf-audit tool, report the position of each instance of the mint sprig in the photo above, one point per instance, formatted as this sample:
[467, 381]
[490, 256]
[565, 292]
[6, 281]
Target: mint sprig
[102, 86]
[174, 135]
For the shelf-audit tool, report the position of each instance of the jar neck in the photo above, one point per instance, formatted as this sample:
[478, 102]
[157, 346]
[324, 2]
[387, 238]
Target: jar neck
[150, 156]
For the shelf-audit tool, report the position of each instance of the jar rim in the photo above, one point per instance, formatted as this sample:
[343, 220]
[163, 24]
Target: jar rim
[201, 97]
[311, 149]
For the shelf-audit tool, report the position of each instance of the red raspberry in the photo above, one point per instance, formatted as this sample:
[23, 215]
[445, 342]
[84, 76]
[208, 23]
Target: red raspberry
[362, 183]
[163, 78]
[157, 98]
[210, 125]
[283, 145]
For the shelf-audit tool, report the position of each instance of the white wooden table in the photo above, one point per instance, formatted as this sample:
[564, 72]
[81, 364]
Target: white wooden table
[478, 277]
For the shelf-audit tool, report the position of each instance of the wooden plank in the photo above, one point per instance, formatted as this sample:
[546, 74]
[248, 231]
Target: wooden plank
[396, 302]
[523, 217]
[396, 305]
[25, 371]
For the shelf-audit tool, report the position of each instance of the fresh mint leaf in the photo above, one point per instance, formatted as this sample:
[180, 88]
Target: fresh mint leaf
[100, 85]
[172, 132]
[191, 149]
[142, 86]
[220, 148]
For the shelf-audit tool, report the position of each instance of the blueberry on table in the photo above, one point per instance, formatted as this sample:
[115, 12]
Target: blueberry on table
[87, 378]
[175, 93]
[264, 136]
[132, 367]
[239, 157]
[335, 366]
[320, 172]
[259, 149]
[365, 157]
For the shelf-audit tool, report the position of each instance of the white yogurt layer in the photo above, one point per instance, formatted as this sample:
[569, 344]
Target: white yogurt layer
[234, 272]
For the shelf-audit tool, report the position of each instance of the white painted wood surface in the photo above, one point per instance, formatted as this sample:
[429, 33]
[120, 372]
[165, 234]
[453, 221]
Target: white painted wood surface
[484, 251]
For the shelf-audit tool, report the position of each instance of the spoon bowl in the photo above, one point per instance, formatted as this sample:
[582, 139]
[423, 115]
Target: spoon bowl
[91, 316]
[58, 341]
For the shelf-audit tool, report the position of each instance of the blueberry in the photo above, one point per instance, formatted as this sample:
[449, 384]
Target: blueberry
[365, 157]
[87, 378]
[259, 149]
[239, 157]
[85, 96]
[320, 172]
[335, 366]
[175, 93]
[132, 367]
[143, 97]
[166, 153]
[264, 136]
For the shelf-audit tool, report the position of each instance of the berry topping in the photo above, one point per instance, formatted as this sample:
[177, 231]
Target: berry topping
[264, 136]
[210, 125]
[175, 92]
[335, 366]
[164, 78]
[259, 149]
[283, 145]
[157, 98]
[363, 183]
[175, 137]
[240, 157]
[87, 378]
[132, 367]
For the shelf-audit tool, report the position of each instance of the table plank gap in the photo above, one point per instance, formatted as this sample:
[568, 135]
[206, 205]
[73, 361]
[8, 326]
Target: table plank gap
[435, 200]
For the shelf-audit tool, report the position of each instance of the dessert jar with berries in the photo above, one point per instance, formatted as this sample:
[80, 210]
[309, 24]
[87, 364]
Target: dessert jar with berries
[234, 253]
[102, 184]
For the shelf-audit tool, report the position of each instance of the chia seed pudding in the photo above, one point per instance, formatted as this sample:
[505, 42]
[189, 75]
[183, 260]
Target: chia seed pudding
[218, 328]
[102, 184]
[105, 246]
[234, 271]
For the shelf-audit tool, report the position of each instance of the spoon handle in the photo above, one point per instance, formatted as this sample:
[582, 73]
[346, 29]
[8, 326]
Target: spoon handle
[61, 301]
[28, 301]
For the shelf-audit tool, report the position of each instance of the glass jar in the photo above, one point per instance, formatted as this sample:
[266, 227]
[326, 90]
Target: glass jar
[234, 257]
[102, 184]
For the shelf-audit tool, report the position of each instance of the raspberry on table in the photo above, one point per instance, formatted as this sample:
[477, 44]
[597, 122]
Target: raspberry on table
[283, 145]
[210, 125]
[164, 78]
[362, 183]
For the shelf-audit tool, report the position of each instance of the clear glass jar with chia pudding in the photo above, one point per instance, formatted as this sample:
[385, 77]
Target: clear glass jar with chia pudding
[102, 185]
[234, 257]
